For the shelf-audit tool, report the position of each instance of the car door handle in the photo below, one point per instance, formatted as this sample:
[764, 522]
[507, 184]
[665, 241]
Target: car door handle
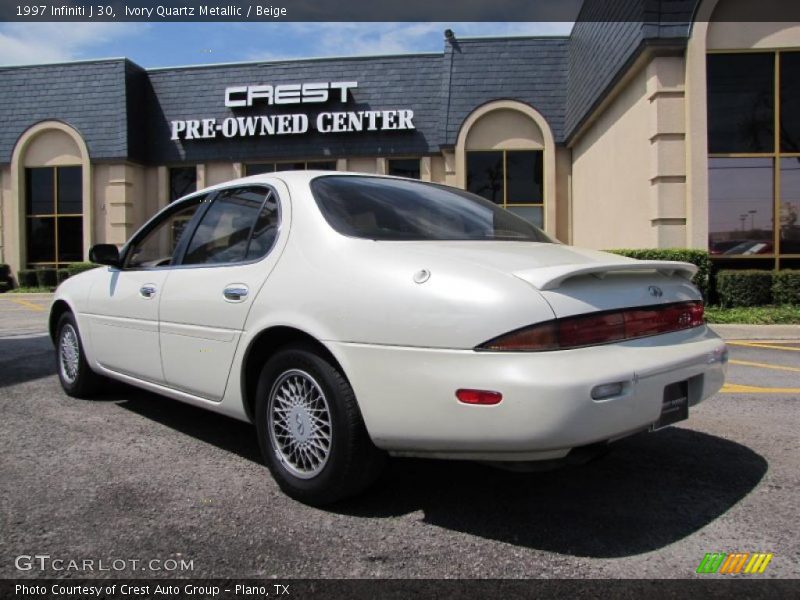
[235, 293]
[147, 291]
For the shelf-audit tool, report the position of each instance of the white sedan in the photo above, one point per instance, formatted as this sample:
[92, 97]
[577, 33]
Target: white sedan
[353, 316]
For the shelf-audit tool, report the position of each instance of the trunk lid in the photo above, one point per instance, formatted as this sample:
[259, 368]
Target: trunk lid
[573, 280]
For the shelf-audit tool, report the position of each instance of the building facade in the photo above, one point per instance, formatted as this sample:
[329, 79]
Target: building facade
[651, 133]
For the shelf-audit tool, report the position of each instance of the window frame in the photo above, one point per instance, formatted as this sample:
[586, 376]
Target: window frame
[55, 215]
[170, 168]
[276, 165]
[389, 160]
[775, 155]
[708, 93]
[191, 227]
[505, 204]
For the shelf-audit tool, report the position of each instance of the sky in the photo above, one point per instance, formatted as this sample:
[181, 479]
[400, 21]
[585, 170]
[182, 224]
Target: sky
[175, 44]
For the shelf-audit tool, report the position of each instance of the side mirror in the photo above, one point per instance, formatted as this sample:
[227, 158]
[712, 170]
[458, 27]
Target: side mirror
[104, 254]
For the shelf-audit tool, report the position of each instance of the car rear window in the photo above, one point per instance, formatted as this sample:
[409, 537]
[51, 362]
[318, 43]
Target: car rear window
[379, 208]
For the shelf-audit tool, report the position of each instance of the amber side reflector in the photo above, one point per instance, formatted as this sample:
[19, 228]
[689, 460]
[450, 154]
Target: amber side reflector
[483, 397]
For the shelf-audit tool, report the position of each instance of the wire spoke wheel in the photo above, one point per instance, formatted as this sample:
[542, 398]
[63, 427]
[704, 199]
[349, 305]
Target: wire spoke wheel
[299, 423]
[69, 353]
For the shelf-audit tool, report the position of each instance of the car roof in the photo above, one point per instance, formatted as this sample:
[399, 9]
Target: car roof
[292, 177]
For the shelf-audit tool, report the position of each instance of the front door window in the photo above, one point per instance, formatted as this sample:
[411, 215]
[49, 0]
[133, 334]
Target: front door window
[157, 245]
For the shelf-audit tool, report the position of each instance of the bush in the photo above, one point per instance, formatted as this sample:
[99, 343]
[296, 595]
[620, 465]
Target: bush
[703, 279]
[786, 287]
[62, 275]
[4, 287]
[80, 267]
[746, 287]
[27, 278]
[754, 315]
[46, 278]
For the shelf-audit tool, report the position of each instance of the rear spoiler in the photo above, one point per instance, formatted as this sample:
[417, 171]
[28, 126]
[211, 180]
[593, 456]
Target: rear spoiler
[549, 278]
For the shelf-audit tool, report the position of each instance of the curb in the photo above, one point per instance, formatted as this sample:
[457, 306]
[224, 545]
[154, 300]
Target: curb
[757, 332]
[27, 295]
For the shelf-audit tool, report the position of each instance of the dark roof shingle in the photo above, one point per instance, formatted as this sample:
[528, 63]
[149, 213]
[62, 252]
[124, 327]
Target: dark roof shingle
[89, 96]
[531, 70]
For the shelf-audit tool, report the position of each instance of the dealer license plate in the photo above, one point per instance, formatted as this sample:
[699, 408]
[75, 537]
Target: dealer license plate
[675, 406]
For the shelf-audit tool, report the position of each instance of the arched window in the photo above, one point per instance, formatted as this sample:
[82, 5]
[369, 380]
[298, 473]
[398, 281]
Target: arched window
[508, 158]
[50, 164]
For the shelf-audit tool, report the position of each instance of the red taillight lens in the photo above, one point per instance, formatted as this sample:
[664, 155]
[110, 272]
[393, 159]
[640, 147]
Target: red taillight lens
[591, 330]
[539, 337]
[603, 328]
[479, 397]
[673, 317]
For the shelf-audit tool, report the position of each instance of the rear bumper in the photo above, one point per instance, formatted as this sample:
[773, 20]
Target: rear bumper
[407, 395]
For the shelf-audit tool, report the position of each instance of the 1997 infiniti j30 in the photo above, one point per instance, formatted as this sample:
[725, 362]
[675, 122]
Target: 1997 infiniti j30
[354, 316]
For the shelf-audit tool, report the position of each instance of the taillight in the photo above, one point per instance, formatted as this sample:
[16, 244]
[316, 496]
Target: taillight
[672, 317]
[541, 337]
[600, 328]
[591, 330]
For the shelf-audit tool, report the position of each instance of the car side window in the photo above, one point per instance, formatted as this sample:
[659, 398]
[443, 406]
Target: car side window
[156, 247]
[266, 229]
[241, 224]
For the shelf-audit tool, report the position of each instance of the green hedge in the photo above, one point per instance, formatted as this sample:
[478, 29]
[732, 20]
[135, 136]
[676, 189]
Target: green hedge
[786, 287]
[80, 267]
[700, 258]
[746, 287]
[46, 277]
[27, 278]
[4, 287]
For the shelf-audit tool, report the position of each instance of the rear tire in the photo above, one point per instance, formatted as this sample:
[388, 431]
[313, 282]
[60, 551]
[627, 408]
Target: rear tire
[310, 430]
[76, 377]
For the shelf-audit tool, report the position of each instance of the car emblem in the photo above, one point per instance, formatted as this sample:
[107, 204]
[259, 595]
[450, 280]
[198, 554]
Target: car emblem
[299, 423]
[655, 291]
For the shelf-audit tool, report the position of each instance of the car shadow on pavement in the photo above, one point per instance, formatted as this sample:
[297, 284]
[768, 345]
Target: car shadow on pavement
[25, 358]
[651, 490]
[221, 431]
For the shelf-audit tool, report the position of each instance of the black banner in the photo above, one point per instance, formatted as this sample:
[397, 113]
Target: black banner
[648, 11]
[390, 589]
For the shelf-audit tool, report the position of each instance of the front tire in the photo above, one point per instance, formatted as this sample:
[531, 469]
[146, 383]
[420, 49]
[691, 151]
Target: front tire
[76, 377]
[310, 430]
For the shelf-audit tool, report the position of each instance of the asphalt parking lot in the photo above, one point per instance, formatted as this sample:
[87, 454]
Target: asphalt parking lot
[137, 477]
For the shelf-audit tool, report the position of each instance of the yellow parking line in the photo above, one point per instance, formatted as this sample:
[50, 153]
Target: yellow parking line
[746, 363]
[770, 346]
[735, 388]
[26, 304]
[779, 342]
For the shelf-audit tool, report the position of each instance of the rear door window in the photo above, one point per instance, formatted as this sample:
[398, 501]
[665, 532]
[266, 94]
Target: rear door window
[240, 225]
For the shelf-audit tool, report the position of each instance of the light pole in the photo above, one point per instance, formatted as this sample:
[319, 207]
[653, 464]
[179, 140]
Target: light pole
[752, 214]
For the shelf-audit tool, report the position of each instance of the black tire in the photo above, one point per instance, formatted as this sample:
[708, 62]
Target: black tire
[77, 379]
[351, 463]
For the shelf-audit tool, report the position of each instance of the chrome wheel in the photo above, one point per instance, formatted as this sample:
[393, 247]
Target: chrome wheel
[69, 353]
[299, 423]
